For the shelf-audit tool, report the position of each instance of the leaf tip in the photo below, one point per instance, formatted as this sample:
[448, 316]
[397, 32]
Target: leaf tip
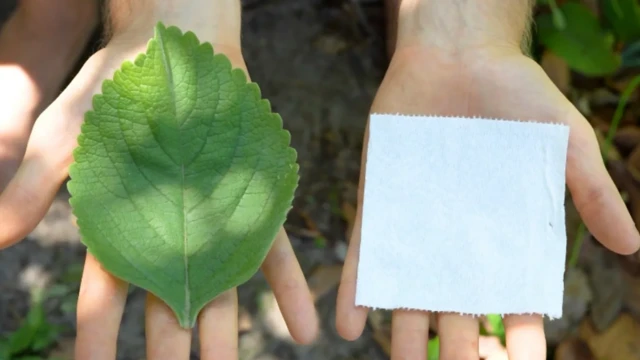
[159, 29]
[240, 76]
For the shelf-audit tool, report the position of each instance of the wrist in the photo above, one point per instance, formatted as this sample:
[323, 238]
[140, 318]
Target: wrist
[457, 26]
[215, 21]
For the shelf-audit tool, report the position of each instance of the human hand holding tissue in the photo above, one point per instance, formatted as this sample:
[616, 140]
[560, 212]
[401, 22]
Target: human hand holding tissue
[498, 194]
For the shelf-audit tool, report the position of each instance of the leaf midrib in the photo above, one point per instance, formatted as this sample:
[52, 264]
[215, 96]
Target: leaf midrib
[166, 62]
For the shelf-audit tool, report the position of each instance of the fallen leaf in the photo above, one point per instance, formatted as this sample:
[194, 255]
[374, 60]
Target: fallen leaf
[324, 279]
[577, 297]
[633, 163]
[627, 186]
[634, 200]
[574, 349]
[620, 84]
[631, 279]
[626, 139]
[608, 290]
[603, 97]
[556, 330]
[612, 153]
[557, 70]
[620, 341]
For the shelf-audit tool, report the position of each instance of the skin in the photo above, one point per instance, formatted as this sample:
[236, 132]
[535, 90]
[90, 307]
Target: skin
[432, 73]
[435, 69]
[37, 29]
[32, 187]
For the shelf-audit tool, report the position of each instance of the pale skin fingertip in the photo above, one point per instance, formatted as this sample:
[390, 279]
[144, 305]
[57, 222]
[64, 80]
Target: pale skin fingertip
[101, 304]
[307, 334]
[458, 336]
[525, 337]
[165, 338]
[350, 331]
[284, 275]
[218, 327]
[409, 334]
[594, 193]
[21, 206]
[350, 319]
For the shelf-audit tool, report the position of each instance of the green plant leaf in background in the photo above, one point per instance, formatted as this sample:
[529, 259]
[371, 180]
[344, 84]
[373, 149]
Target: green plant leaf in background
[183, 174]
[24, 337]
[623, 16]
[433, 349]
[631, 55]
[497, 327]
[582, 43]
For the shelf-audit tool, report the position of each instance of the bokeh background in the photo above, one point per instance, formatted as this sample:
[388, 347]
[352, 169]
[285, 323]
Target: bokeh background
[320, 62]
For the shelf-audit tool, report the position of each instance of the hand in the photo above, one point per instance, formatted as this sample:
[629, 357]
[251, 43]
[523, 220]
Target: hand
[36, 30]
[495, 83]
[102, 296]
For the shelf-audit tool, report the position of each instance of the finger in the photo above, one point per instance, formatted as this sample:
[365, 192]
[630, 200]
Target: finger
[409, 334]
[101, 303]
[284, 275]
[525, 337]
[31, 191]
[595, 195]
[25, 201]
[218, 325]
[166, 340]
[18, 98]
[350, 319]
[458, 336]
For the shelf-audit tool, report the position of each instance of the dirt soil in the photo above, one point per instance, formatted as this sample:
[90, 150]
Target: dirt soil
[319, 62]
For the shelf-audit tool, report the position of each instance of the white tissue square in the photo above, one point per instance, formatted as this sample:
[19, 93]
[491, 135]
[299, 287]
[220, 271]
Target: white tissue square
[463, 215]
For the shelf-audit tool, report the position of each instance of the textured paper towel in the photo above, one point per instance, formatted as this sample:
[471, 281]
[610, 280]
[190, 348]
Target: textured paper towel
[463, 215]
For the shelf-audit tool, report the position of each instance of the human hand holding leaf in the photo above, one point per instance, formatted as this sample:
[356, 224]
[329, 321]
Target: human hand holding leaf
[182, 180]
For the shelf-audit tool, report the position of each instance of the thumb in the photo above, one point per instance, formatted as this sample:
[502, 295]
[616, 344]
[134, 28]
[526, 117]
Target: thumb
[29, 194]
[595, 195]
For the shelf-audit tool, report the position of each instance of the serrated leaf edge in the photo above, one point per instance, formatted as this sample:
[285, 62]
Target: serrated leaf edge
[275, 118]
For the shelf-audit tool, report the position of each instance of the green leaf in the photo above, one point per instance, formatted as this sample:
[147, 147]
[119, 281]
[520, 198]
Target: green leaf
[624, 18]
[582, 43]
[183, 174]
[45, 337]
[433, 349]
[22, 338]
[497, 327]
[5, 351]
[631, 55]
[558, 17]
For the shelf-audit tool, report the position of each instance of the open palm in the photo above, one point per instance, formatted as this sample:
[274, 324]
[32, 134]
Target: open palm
[29, 193]
[488, 84]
